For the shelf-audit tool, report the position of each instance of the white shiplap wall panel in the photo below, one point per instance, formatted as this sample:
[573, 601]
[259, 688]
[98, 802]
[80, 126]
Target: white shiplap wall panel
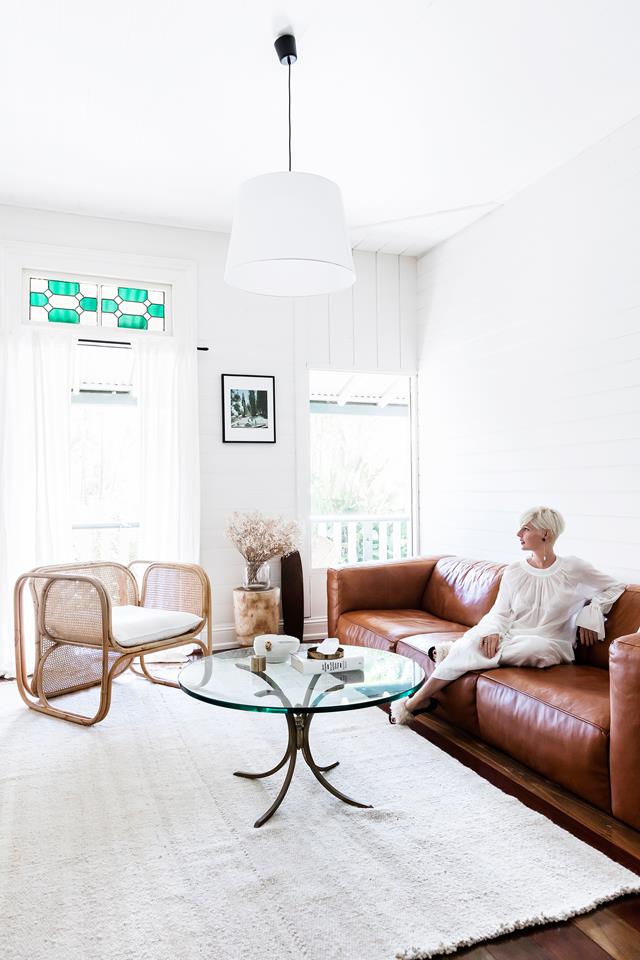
[365, 309]
[341, 330]
[529, 366]
[388, 297]
[371, 326]
[312, 325]
[407, 307]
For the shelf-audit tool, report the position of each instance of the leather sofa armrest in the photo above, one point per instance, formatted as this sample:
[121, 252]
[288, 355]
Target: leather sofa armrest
[377, 586]
[624, 685]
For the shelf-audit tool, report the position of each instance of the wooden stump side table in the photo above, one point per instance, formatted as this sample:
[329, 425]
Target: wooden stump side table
[255, 611]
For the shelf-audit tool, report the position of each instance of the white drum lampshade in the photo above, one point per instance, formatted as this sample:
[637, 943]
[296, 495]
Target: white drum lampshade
[289, 237]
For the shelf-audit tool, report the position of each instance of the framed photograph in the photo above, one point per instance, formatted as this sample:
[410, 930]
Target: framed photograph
[248, 409]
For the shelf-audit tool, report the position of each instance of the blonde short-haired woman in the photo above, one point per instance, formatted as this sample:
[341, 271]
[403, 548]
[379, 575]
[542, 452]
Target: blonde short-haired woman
[540, 603]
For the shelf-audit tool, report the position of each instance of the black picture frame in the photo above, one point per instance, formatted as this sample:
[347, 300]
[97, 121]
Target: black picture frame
[248, 408]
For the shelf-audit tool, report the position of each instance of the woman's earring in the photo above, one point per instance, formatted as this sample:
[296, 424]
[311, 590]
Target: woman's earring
[544, 554]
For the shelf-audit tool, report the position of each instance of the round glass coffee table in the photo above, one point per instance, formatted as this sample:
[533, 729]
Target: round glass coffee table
[225, 680]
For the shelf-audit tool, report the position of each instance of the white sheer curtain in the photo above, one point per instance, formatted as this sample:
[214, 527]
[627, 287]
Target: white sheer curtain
[36, 377]
[166, 385]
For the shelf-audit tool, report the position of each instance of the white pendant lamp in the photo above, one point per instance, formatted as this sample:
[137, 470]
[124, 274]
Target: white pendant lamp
[289, 235]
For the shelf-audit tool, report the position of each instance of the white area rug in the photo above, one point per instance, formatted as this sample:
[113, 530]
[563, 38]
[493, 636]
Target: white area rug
[132, 839]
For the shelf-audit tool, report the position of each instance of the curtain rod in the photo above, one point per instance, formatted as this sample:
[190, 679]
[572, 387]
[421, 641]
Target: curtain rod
[118, 343]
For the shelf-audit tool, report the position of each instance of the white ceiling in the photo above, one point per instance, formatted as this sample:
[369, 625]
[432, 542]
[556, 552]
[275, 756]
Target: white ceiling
[428, 114]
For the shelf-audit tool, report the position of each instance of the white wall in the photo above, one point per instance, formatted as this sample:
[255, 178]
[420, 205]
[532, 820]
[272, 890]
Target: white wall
[370, 327]
[529, 366]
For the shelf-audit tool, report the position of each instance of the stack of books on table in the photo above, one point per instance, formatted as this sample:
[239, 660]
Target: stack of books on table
[340, 665]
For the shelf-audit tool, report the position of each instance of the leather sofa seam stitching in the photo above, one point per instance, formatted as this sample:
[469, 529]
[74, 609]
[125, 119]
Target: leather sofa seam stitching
[596, 726]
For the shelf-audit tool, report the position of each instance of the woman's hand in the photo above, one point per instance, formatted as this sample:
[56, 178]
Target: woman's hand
[587, 637]
[490, 645]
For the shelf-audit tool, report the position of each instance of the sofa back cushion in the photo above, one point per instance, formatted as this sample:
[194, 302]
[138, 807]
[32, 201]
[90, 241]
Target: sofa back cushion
[462, 590]
[623, 618]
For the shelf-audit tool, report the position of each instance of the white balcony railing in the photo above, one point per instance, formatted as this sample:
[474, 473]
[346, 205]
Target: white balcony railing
[357, 538]
[115, 540]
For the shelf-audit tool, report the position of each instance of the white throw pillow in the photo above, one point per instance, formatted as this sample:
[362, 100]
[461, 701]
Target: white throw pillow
[132, 626]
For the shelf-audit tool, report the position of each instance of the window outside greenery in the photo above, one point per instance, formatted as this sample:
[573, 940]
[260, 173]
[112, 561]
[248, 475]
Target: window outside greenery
[360, 482]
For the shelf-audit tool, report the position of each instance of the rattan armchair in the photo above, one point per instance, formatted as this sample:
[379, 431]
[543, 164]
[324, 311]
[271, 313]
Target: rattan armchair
[76, 643]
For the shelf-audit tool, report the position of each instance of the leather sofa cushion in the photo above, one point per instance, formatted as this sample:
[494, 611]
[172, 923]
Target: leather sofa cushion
[623, 619]
[555, 721]
[462, 590]
[458, 699]
[383, 628]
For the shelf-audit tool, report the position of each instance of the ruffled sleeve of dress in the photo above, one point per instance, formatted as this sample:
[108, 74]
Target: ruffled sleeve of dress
[499, 618]
[601, 589]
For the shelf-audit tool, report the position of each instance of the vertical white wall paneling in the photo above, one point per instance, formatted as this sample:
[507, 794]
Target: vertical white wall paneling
[388, 298]
[341, 346]
[302, 427]
[313, 312]
[407, 272]
[365, 324]
[529, 341]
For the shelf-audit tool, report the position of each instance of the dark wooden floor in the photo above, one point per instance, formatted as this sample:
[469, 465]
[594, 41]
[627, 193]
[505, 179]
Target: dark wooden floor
[609, 933]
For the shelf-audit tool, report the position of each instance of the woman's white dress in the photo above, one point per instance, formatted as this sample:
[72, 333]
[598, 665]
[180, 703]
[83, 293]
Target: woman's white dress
[536, 615]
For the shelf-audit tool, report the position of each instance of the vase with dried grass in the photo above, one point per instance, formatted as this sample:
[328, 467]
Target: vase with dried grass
[260, 539]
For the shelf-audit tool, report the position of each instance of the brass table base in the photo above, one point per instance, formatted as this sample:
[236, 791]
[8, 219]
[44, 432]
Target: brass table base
[298, 725]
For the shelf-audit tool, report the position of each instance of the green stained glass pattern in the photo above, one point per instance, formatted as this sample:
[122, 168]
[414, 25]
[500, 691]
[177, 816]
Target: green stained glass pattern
[58, 315]
[132, 294]
[63, 301]
[77, 301]
[132, 321]
[64, 287]
[133, 307]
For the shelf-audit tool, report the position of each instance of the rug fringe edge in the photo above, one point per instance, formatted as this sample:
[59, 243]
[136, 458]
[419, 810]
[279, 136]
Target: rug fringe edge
[416, 953]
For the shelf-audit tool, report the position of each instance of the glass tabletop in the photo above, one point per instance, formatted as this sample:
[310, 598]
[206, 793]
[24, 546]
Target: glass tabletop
[226, 680]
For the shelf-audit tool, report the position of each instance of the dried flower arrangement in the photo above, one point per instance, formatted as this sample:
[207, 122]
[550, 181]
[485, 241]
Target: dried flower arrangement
[260, 539]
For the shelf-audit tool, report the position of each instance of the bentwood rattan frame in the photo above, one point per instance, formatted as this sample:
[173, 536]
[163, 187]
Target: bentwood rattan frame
[74, 645]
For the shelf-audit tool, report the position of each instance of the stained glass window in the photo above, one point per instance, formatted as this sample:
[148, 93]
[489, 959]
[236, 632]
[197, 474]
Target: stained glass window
[63, 301]
[133, 307]
[74, 301]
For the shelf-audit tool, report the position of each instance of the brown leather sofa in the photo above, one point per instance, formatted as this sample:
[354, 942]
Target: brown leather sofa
[577, 724]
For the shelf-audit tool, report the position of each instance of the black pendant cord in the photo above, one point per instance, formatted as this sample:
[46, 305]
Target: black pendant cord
[289, 115]
[287, 55]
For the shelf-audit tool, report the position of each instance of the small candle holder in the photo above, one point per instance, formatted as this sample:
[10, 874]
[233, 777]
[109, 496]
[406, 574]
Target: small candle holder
[258, 664]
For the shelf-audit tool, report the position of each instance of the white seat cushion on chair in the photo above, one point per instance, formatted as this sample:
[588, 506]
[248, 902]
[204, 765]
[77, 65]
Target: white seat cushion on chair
[132, 626]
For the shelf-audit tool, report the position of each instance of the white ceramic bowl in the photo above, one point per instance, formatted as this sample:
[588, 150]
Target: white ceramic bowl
[276, 647]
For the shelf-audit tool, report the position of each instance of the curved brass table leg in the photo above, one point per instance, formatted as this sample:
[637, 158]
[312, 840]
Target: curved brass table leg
[307, 746]
[268, 773]
[298, 726]
[292, 751]
[317, 771]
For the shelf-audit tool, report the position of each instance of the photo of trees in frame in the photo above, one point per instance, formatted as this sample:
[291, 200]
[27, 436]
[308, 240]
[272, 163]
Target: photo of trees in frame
[248, 409]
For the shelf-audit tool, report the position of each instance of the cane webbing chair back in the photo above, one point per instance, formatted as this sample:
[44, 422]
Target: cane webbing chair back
[166, 587]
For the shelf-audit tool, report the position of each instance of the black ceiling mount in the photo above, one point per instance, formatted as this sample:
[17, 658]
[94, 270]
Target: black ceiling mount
[286, 49]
